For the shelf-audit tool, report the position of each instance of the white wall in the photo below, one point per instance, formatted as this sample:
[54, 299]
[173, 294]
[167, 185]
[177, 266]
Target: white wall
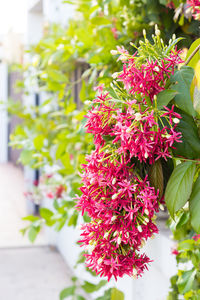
[57, 12]
[3, 113]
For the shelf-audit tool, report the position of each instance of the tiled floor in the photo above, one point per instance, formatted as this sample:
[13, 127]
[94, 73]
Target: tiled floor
[27, 272]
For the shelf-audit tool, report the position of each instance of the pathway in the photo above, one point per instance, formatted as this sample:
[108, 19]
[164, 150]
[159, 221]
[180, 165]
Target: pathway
[27, 272]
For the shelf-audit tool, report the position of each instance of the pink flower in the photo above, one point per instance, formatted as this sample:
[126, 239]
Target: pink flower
[175, 252]
[196, 237]
[128, 137]
[50, 195]
[195, 6]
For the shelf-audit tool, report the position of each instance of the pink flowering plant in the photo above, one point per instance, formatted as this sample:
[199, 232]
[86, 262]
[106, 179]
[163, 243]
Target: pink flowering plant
[139, 141]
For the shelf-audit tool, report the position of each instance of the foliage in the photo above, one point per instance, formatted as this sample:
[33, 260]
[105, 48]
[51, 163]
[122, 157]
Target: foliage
[52, 136]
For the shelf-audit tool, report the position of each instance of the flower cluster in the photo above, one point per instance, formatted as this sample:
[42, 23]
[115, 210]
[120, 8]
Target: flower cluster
[151, 77]
[116, 192]
[194, 5]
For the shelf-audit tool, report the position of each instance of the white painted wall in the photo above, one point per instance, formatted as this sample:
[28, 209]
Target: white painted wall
[57, 12]
[3, 113]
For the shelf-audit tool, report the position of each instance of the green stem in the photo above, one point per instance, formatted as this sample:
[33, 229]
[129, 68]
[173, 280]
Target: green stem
[187, 159]
[192, 55]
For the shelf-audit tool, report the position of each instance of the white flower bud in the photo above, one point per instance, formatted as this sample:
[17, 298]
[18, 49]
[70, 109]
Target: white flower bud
[173, 37]
[123, 58]
[146, 211]
[161, 207]
[128, 129]
[157, 70]
[114, 196]
[106, 235]
[176, 120]
[127, 235]
[114, 180]
[119, 240]
[146, 155]
[139, 228]
[87, 102]
[138, 116]
[144, 33]
[113, 218]
[115, 75]
[157, 32]
[115, 233]
[113, 52]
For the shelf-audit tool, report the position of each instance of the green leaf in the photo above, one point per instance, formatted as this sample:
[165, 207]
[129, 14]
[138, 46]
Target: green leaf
[57, 76]
[46, 213]
[90, 287]
[73, 219]
[67, 292]
[116, 294]
[186, 245]
[156, 177]
[196, 57]
[185, 281]
[106, 295]
[183, 219]
[79, 297]
[195, 206]
[164, 97]
[65, 159]
[33, 232]
[30, 218]
[179, 186]
[190, 146]
[38, 142]
[183, 79]
[26, 156]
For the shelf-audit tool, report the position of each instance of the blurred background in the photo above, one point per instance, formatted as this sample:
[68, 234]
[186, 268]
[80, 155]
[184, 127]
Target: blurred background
[52, 54]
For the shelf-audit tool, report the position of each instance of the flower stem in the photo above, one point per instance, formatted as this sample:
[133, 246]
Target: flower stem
[192, 55]
[186, 159]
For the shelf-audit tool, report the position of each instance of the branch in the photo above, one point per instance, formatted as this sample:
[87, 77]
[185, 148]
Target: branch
[192, 55]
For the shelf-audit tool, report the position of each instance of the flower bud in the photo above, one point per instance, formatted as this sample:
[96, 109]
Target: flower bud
[113, 52]
[106, 235]
[139, 228]
[119, 240]
[138, 116]
[87, 102]
[115, 75]
[129, 129]
[161, 207]
[114, 196]
[176, 120]
[114, 180]
[113, 218]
